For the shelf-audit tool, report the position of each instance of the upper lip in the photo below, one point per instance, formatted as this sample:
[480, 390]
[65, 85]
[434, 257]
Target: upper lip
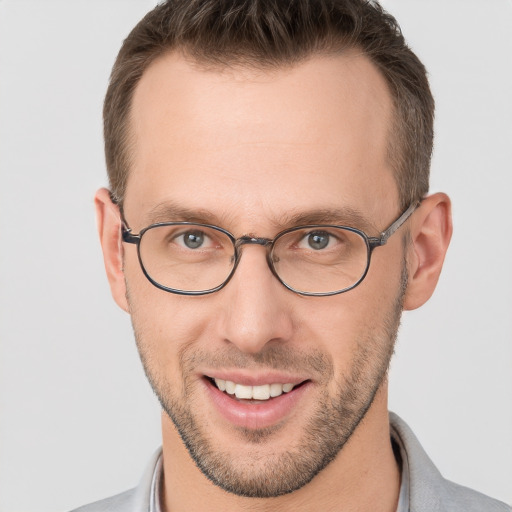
[252, 379]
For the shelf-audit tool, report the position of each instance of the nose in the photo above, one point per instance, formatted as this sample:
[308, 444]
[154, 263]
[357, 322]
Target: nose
[256, 307]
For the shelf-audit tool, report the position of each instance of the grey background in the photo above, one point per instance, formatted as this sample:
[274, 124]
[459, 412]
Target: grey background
[78, 420]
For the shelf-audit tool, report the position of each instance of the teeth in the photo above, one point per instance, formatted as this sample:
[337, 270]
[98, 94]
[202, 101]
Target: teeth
[276, 390]
[287, 387]
[230, 387]
[263, 392]
[243, 391]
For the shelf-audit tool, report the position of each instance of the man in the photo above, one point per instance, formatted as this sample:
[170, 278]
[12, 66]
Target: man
[267, 223]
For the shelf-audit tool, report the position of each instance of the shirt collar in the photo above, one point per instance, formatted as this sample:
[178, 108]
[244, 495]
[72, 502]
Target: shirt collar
[156, 483]
[403, 499]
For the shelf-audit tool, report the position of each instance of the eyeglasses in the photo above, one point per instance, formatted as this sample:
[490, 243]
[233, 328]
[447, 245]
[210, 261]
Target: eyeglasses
[188, 258]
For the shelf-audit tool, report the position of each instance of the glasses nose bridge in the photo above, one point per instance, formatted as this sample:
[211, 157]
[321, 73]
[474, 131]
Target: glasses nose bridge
[267, 243]
[252, 240]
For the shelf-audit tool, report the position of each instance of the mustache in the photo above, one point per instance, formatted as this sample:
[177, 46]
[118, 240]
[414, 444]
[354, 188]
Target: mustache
[276, 357]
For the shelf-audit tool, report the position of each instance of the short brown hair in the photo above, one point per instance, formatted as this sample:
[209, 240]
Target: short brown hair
[270, 33]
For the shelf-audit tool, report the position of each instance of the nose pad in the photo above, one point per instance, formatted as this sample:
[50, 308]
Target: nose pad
[256, 307]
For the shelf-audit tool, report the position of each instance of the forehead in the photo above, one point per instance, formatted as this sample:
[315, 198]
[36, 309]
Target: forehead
[261, 142]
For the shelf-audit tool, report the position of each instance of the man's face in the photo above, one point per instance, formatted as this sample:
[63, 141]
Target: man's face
[249, 151]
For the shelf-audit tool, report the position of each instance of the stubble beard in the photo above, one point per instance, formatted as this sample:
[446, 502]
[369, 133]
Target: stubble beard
[326, 431]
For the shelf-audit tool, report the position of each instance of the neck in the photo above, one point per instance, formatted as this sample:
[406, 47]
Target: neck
[364, 476]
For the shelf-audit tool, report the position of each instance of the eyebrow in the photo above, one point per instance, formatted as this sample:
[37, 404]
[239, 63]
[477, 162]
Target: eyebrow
[171, 212]
[343, 216]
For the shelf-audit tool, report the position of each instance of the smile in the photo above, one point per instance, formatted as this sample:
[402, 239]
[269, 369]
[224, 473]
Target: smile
[255, 406]
[263, 392]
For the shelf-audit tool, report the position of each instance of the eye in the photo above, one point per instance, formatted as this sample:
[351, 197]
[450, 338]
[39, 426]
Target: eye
[194, 239]
[316, 240]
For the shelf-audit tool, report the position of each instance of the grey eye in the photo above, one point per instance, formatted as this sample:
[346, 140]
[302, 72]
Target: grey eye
[193, 239]
[318, 240]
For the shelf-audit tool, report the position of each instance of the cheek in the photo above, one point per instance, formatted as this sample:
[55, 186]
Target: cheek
[345, 325]
[156, 311]
[164, 323]
[333, 326]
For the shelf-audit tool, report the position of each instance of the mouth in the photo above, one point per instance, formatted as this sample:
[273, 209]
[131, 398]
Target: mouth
[253, 394]
[257, 401]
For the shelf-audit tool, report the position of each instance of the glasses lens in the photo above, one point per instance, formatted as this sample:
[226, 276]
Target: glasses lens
[320, 259]
[187, 257]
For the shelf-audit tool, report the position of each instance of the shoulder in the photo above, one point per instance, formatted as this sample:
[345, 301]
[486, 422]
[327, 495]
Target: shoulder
[137, 499]
[458, 497]
[429, 491]
[118, 503]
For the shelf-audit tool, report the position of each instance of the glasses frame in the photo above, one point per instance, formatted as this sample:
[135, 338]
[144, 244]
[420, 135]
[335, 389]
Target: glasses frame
[269, 243]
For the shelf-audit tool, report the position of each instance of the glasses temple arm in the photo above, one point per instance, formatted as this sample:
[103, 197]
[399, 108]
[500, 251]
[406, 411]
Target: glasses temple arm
[398, 223]
[126, 231]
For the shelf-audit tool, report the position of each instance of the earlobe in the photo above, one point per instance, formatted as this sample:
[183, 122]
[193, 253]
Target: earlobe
[430, 233]
[109, 229]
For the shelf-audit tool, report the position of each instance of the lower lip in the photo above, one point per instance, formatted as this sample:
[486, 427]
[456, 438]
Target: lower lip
[255, 415]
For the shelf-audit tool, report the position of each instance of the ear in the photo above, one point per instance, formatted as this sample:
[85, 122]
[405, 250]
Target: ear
[109, 228]
[431, 231]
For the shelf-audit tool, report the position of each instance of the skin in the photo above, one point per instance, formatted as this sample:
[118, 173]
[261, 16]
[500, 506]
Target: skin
[254, 148]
